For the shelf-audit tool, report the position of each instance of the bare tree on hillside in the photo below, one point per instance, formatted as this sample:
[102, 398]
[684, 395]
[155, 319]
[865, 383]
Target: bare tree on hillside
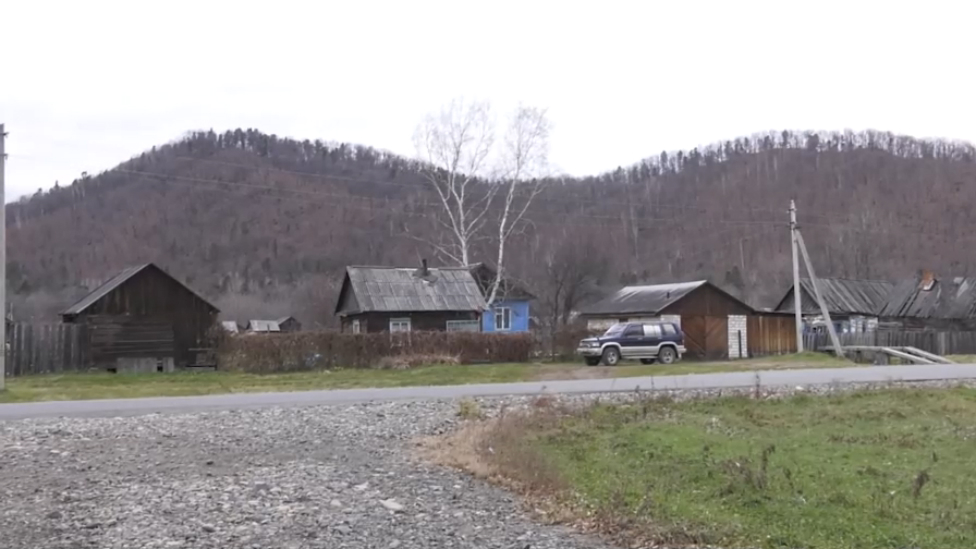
[571, 274]
[468, 173]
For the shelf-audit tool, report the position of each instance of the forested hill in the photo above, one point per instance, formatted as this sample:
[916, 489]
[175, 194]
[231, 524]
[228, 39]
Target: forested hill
[265, 225]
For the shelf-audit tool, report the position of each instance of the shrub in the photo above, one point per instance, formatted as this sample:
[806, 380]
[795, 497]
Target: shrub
[267, 353]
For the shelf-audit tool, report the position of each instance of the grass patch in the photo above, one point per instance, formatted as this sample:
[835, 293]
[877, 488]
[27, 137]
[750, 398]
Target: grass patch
[395, 374]
[873, 469]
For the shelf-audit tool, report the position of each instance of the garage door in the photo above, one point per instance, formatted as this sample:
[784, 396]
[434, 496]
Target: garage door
[716, 337]
[694, 329]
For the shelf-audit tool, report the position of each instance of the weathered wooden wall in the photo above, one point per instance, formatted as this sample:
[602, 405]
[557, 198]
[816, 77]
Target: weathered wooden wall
[139, 309]
[771, 335]
[119, 336]
[940, 343]
[46, 348]
[427, 321]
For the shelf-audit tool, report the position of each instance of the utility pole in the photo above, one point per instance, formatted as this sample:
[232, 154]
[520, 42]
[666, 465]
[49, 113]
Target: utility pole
[3, 264]
[796, 279]
[834, 340]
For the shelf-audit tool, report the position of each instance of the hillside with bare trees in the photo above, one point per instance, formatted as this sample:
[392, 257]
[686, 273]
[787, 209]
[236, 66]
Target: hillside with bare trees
[265, 224]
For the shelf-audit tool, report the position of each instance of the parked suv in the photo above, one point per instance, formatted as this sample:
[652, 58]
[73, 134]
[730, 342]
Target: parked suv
[649, 342]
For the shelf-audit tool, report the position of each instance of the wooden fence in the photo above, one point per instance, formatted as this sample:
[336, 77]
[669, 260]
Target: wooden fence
[46, 348]
[940, 343]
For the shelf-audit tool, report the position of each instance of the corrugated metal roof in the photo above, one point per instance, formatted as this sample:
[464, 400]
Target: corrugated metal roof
[263, 326]
[115, 282]
[953, 298]
[231, 326]
[103, 290]
[842, 296]
[391, 289]
[642, 299]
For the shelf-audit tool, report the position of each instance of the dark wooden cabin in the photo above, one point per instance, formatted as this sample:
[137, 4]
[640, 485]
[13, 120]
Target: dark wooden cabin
[391, 299]
[143, 319]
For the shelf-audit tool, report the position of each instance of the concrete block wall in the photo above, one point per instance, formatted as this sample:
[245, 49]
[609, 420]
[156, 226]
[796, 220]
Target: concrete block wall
[738, 323]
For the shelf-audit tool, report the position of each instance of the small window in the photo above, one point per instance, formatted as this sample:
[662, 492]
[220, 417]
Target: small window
[463, 326]
[399, 325]
[652, 330]
[503, 319]
[669, 329]
[356, 328]
[634, 331]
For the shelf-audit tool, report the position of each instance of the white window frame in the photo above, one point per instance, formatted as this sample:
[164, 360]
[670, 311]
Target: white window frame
[505, 313]
[357, 327]
[400, 322]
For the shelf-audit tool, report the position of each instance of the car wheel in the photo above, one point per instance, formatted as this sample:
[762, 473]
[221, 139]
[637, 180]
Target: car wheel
[647, 361]
[611, 356]
[666, 355]
[592, 361]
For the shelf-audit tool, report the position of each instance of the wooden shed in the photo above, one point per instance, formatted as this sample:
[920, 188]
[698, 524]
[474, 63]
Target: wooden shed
[143, 319]
[714, 322]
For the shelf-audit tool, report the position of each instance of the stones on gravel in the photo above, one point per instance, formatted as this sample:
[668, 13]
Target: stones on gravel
[303, 478]
[391, 505]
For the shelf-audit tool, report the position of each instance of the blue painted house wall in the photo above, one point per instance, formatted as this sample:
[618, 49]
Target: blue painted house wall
[520, 316]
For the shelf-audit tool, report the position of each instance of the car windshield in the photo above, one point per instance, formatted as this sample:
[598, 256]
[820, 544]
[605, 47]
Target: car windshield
[616, 329]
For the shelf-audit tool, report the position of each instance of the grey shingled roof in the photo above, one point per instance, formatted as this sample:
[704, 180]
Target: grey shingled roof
[842, 296]
[642, 299]
[115, 282]
[949, 298]
[391, 289]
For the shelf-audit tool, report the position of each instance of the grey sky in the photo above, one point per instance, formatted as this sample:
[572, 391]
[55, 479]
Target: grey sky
[85, 85]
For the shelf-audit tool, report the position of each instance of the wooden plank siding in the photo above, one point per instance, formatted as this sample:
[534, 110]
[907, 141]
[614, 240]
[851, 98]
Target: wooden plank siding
[147, 315]
[716, 337]
[46, 349]
[421, 321]
[771, 335]
[694, 329]
[950, 342]
[706, 300]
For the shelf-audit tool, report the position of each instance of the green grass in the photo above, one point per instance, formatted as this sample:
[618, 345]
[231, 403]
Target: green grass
[884, 469]
[104, 385]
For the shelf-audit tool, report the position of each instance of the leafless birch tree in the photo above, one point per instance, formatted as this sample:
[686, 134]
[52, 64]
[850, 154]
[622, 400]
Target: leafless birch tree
[477, 181]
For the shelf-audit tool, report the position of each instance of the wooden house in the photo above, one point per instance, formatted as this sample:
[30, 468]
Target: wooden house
[510, 311]
[854, 305]
[143, 319]
[930, 303]
[392, 299]
[715, 323]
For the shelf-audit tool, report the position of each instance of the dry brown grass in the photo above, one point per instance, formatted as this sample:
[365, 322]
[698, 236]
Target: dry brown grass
[494, 450]
[406, 362]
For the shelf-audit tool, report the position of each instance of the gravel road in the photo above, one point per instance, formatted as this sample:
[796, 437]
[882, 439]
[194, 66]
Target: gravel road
[341, 476]
[279, 477]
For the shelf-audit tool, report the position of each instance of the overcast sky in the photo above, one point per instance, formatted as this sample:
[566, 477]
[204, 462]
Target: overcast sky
[86, 85]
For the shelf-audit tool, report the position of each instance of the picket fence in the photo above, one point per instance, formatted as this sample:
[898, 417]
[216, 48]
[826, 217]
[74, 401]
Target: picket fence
[46, 348]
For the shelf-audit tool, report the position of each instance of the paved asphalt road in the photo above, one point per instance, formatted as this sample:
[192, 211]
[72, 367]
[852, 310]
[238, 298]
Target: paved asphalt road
[136, 406]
